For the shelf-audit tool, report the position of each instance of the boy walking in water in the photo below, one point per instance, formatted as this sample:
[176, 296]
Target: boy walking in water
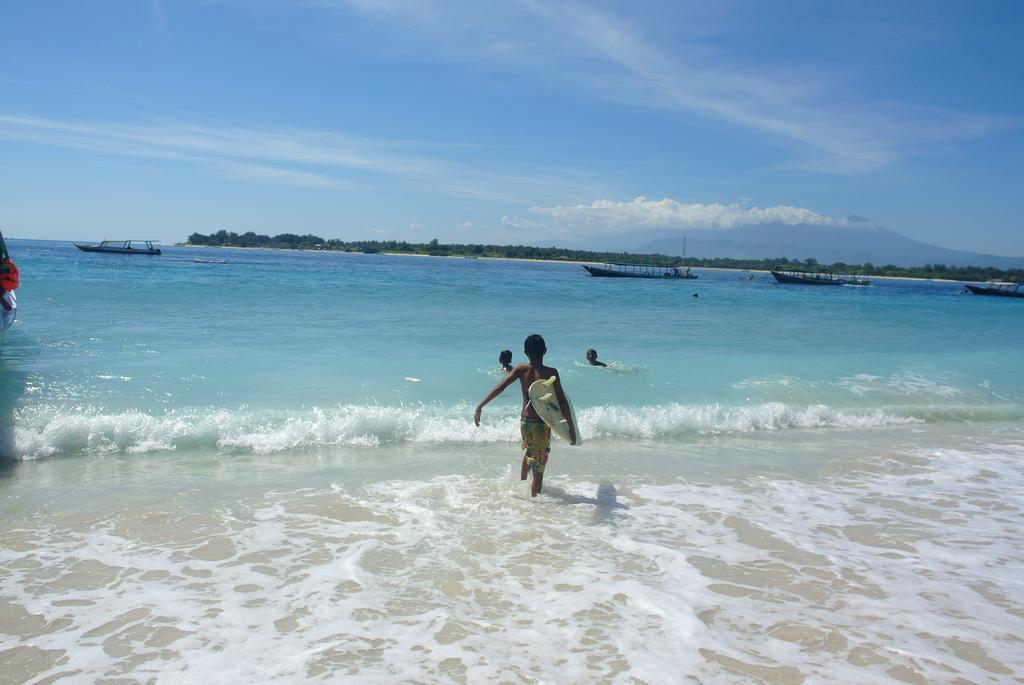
[536, 434]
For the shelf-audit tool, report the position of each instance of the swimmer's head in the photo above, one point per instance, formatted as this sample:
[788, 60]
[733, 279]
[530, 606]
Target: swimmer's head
[505, 358]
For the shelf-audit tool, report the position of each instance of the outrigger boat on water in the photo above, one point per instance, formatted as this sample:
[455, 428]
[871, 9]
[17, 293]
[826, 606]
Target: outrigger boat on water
[8, 284]
[816, 278]
[145, 247]
[621, 270]
[997, 288]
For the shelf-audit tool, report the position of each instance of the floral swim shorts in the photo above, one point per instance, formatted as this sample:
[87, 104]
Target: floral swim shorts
[536, 442]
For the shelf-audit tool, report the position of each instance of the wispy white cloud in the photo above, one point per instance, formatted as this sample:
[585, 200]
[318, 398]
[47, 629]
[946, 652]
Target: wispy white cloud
[277, 176]
[616, 217]
[186, 141]
[612, 54]
[315, 159]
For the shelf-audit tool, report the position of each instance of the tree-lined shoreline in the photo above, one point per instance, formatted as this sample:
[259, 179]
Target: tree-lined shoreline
[292, 241]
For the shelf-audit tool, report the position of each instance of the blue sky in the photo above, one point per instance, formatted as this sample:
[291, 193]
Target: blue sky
[513, 121]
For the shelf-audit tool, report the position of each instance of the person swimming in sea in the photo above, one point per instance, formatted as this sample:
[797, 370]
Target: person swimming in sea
[535, 433]
[505, 359]
[592, 358]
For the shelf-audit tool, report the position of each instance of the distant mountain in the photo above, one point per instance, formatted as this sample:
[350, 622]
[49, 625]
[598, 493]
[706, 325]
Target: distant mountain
[858, 244]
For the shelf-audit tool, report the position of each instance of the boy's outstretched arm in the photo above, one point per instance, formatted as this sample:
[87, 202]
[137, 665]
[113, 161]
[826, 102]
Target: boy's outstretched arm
[564, 404]
[498, 389]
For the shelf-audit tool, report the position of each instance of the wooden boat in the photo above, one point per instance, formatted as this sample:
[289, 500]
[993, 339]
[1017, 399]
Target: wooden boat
[816, 278]
[145, 247]
[659, 271]
[997, 288]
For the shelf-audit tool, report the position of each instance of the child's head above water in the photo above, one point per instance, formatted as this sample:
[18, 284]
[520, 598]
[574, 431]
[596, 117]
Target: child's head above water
[591, 354]
[505, 358]
[534, 347]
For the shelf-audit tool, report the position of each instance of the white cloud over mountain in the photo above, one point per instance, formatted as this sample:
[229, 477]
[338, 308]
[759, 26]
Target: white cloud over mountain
[641, 212]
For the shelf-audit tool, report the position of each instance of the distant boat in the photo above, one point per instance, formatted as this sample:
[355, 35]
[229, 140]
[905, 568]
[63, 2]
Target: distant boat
[997, 288]
[659, 271]
[210, 261]
[816, 278]
[145, 247]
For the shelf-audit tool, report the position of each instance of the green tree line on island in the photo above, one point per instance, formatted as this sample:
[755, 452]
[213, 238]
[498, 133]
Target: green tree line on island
[292, 241]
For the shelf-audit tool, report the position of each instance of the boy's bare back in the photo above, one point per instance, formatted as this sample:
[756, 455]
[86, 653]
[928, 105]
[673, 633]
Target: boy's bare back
[528, 375]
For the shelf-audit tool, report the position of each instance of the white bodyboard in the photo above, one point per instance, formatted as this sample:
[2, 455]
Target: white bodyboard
[545, 402]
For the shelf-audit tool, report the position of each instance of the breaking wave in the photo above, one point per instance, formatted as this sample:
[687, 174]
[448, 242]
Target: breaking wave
[49, 431]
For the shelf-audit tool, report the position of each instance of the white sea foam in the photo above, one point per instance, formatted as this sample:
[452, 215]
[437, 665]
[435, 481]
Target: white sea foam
[894, 569]
[903, 386]
[611, 367]
[49, 431]
[677, 419]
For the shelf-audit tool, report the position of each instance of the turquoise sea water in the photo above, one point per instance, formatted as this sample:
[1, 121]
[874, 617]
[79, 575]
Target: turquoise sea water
[266, 470]
[273, 337]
